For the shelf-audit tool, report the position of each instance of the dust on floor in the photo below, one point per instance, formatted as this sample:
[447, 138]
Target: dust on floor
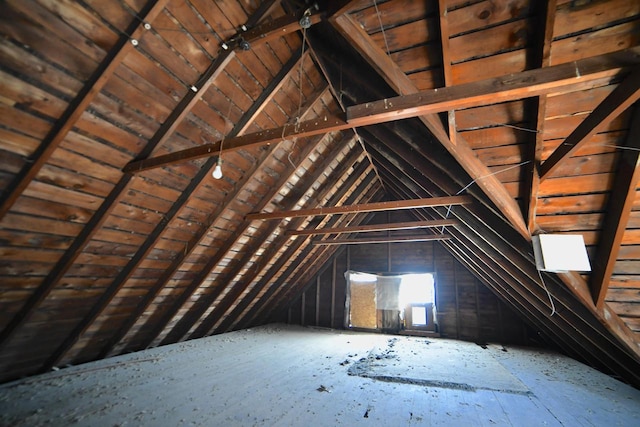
[290, 376]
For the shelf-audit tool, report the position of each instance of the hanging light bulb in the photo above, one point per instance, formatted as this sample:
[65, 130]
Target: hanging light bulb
[217, 171]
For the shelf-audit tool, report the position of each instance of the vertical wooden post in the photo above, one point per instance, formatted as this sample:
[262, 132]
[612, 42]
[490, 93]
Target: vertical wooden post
[478, 323]
[388, 244]
[318, 300]
[333, 292]
[501, 325]
[455, 287]
[347, 292]
[303, 303]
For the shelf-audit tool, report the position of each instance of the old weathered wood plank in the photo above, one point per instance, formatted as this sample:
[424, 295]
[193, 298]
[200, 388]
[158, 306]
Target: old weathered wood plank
[618, 212]
[207, 324]
[618, 101]
[525, 84]
[374, 227]
[373, 207]
[194, 242]
[75, 110]
[185, 324]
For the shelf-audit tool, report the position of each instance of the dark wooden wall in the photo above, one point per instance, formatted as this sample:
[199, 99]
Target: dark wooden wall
[467, 309]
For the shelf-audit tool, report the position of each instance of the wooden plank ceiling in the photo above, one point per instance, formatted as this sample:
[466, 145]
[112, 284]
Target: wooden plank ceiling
[519, 116]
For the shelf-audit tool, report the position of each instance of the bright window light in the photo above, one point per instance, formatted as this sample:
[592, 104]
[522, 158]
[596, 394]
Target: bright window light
[418, 316]
[417, 289]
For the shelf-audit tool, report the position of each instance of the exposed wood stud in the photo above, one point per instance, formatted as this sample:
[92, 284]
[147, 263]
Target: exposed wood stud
[376, 227]
[619, 100]
[531, 183]
[619, 210]
[83, 99]
[334, 267]
[446, 65]
[208, 323]
[370, 240]
[166, 129]
[193, 286]
[317, 301]
[370, 207]
[240, 127]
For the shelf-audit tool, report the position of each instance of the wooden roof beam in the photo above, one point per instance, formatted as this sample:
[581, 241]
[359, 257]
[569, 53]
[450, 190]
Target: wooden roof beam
[618, 211]
[96, 221]
[459, 149]
[531, 183]
[272, 251]
[185, 324]
[446, 65]
[369, 240]
[367, 207]
[525, 84]
[125, 273]
[318, 126]
[236, 318]
[553, 79]
[83, 99]
[275, 295]
[613, 105]
[375, 227]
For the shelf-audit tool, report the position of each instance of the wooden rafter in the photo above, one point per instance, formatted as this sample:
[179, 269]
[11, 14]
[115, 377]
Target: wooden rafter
[526, 84]
[618, 210]
[101, 214]
[375, 227]
[369, 207]
[153, 237]
[370, 240]
[185, 324]
[560, 77]
[613, 105]
[279, 27]
[546, 17]
[209, 322]
[516, 271]
[193, 286]
[274, 296]
[446, 65]
[460, 150]
[77, 107]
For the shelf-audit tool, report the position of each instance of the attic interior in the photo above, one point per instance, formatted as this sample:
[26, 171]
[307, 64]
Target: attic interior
[177, 169]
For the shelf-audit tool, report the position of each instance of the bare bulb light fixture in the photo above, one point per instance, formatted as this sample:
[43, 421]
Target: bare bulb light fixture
[217, 171]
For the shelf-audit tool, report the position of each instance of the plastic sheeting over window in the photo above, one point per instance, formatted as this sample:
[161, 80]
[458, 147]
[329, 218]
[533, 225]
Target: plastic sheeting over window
[393, 292]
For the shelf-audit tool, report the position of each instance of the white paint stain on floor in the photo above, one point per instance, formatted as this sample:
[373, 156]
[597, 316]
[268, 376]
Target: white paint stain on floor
[292, 376]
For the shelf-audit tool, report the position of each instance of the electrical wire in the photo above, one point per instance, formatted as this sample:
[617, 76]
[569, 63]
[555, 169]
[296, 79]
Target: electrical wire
[553, 306]
[301, 96]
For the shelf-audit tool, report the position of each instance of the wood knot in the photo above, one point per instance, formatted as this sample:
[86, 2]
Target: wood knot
[484, 14]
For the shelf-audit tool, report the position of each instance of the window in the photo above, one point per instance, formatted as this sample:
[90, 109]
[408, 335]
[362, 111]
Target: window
[391, 302]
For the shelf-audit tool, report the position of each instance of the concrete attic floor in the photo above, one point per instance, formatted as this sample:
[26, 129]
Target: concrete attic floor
[290, 376]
